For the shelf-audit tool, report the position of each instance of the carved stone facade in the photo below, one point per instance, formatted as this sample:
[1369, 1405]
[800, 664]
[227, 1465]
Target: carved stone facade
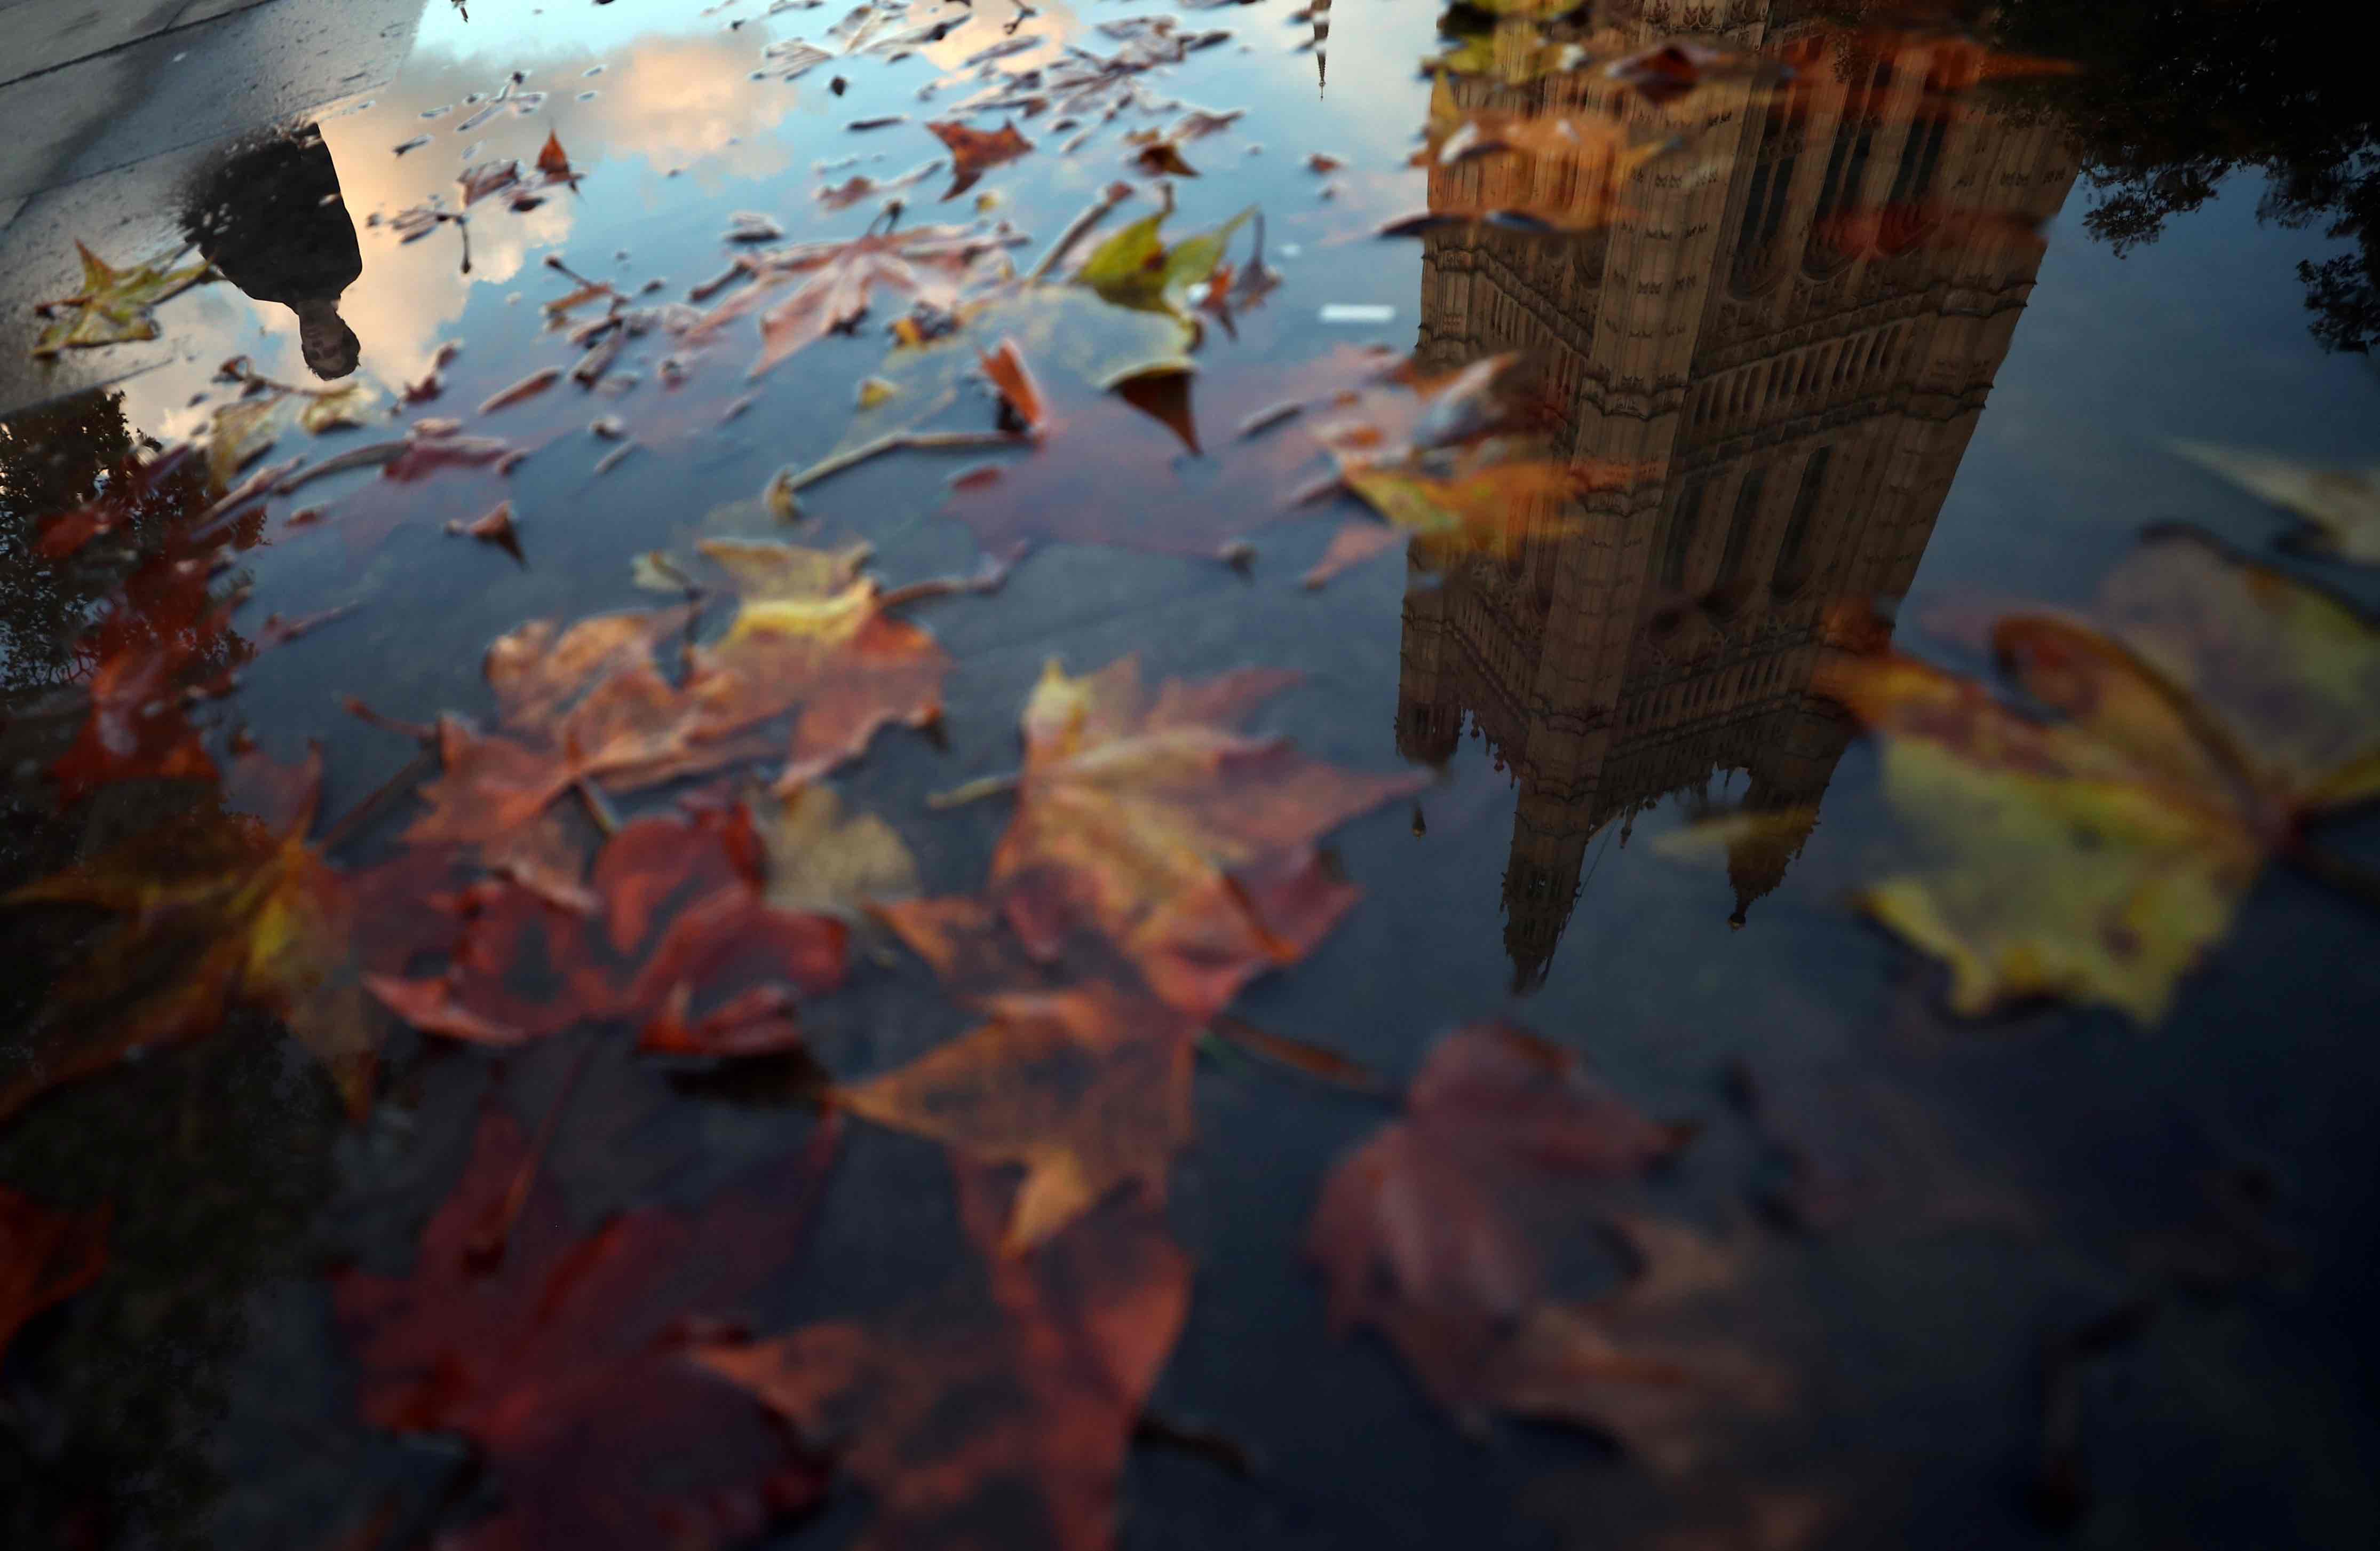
[1789, 329]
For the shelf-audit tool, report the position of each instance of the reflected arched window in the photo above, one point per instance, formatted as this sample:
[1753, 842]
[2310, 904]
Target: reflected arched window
[1793, 551]
[1834, 240]
[1679, 541]
[1907, 215]
[1739, 527]
[1771, 190]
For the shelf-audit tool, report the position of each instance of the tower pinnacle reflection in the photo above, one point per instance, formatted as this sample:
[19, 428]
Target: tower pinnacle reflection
[1791, 322]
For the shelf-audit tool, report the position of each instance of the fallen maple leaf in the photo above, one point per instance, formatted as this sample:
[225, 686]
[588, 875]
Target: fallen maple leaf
[810, 637]
[215, 908]
[997, 1414]
[1086, 1088]
[558, 1356]
[1136, 268]
[975, 151]
[113, 308]
[673, 915]
[2212, 708]
[46, 1258]
[820, 861]
[925, 263]
[1437, 1232]
[1185, 844]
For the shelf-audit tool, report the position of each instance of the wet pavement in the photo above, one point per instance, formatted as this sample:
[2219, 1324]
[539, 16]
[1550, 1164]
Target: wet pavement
[1815, 315]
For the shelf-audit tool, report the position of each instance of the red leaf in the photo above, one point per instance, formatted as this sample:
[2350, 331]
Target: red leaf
[998, 1413]
[46, 1258]
[558, 1365]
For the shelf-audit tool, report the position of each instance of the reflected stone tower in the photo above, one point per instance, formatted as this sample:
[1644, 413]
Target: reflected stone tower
[1789, 325]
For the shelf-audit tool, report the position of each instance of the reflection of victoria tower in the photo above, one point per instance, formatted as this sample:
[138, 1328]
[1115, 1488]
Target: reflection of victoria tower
[1792, 323]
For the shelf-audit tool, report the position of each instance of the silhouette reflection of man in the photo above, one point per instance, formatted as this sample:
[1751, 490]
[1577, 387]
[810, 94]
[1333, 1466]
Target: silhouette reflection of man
[269, 217]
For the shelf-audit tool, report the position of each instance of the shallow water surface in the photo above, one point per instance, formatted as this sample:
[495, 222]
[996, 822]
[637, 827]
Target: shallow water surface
[1770, 947]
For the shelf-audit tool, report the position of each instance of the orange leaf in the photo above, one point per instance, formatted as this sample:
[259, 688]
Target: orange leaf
[1086, 1088]
[975, 151]
[1004, 364]
[553, 161]
[1048, 1359]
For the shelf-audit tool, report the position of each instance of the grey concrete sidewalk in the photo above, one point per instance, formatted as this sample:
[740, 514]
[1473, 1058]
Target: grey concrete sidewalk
[107, 105]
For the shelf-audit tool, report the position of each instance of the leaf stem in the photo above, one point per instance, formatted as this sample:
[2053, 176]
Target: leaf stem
[975, 790]
[1076, 229]
[423, 762]
[894, 441]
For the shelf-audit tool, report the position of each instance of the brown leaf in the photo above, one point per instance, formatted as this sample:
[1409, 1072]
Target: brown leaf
[1048, 1358]
[836, 280]
[975, 151]
[1187, 846]
[552, 162]
[1435, 1232]
[495, 528]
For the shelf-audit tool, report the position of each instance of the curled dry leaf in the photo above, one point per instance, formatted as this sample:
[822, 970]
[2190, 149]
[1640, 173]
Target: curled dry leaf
[496, 528]
[215, 908]
[46, 1258]
[1004, 364]
[975, 151]
[1048, 1357]
[113, 308]
[1188, 846]
[2212, 706]
[561, 1358]
[1439, 1230]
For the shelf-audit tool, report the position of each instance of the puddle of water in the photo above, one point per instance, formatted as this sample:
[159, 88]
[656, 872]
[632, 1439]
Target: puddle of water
[1839, 322]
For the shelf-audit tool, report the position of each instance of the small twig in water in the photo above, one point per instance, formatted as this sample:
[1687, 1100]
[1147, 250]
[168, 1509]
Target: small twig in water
[1078, 228]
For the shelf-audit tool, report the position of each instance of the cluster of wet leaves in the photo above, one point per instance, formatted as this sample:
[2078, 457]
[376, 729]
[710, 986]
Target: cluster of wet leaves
[2089, 842]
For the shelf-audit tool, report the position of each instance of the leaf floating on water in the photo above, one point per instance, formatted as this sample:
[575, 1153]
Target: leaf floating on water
[1048, 1357]
[975, 151]
[2342, 507]
[552, 162]
[113, 308]
[1187, 846]
[2212, 706]
[835, 280]
[1004, 364]
[820, 861]
[1439, 1230]
[1088, 1090]
[562, 1360]
[495, 528]
[46, 1258]
[214, 909]
[488, 177]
